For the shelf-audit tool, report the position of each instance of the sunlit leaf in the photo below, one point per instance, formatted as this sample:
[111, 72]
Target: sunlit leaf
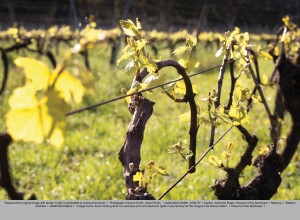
[161, 170]
[140, 44]
[35, 120]
[150, 66]
[125, 56]
[129, 28]
[36, 71]
[266, 55]
[215, 161]
[180, 50]
[191, 40]
[183, 62]
[70, 87]
[153, 80]
[138, 177]
[264, 151]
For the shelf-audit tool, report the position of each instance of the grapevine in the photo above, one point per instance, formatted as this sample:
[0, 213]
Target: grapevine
[38, 108]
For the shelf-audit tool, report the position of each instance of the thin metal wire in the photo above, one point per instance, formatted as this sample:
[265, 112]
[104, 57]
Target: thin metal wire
[201, 158]
[134, 93]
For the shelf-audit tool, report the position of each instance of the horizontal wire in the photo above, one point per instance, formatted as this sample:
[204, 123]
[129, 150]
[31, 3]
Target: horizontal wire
[201, 158]
[193, 167]
[134, 93]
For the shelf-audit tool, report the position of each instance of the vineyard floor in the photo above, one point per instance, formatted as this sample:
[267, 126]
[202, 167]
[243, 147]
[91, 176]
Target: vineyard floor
[86, 167]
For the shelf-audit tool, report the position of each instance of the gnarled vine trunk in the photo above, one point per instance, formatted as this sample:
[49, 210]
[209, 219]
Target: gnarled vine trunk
[265, 184]
[129, 154]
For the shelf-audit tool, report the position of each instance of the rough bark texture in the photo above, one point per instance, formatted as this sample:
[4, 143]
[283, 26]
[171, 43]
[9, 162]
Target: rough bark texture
[229, 187]
[265, 184]
[130, 152]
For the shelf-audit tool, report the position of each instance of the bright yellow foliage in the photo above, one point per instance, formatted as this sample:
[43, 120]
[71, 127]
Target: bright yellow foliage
[37, 110]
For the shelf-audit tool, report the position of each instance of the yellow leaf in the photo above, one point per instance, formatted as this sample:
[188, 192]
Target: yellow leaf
[256, 98]
[140, 44]
[36, 71]
[138, 24]
[150, 66]
[160, 170]
[125, 56]
[153, 80]
[20, 101]
[25, 120]
[183, 62]
[70, 87]
[264, 151]
[180, 50]
[191, 40]
[138, 177]
[224, 155]
[129, 28]
[180, 88]
[57, 137]
[30, 119]
[215, 161]
[132, 90]
[266, 55]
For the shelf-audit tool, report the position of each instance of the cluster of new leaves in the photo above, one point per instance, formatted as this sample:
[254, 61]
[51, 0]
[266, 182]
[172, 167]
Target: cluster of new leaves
[134, 50]
[187, 58]
[181, 148]
[225, 157]
[135, 53]
[291, 38]
[177, 90]
[234, 45]
[37, 109]
[146, 176]
[213, 117]
[238, 112]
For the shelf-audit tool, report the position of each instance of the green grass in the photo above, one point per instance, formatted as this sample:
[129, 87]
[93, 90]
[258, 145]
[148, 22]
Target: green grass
[87, 165]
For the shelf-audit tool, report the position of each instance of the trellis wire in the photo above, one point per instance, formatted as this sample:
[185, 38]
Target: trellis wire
[134, 93]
